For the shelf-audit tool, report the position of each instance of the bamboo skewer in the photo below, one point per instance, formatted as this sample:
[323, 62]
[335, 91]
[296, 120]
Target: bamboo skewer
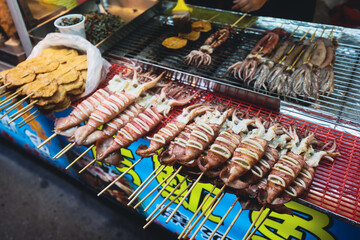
[212, 18]
[183, 199]
[10, 97]
[145, 186]
[162, 210]
[207, 216]
[64, 150]
[7, 84]
[197, 211]
[204, 212]
[6, 106]
[88, 165]
[167, 197]
[144, 182]
[18, 104]
[47, 140]
[162, 189]
[25, 109]
[79, 157]
[5, 93]
[254, 222]
[257, 227]
[26, 122]
[223, 218]
[118, 178]
[232, 224]
[161, 183]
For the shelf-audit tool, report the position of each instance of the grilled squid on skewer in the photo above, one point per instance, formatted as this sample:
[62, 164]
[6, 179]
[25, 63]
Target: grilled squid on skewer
[203, 134]
[149, 119]
[176, 148]
[131, 132]
[113, 106]
[122, 119]
[171, 130]
[224, 145]
[202, 56]
[82, 111]
[247, 68]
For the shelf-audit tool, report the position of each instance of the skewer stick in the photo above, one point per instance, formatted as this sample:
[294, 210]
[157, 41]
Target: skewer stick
[25, 109]
[18, 103]
[162, 210]
[207, 216]
[162, 189]
[254, 222]
[223, 218]
[204, 212]
[293, 47]
[152, 191]
[143, 183]
[167, 197]
[212, 18]
[260, 223]
[5, 93]
[232, 224]
[6, 106]
[197, 211]
[47, 140]
[32, 114]
[10, 97]
[64, 150]
[237, 21]
[7, 84]
[118, 178]
[183, 199]
[79, 157]
[293, 32]
[331, 33]
[88, 165]
[26, 122]
[145, 186]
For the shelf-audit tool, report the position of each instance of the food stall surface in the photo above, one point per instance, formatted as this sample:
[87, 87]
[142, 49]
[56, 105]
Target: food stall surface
[38, 202]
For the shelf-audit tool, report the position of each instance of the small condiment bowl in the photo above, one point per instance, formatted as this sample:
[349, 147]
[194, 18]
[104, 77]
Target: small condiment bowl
[74, 29]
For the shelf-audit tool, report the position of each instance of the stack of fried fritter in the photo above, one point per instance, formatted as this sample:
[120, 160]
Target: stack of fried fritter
[52, 79]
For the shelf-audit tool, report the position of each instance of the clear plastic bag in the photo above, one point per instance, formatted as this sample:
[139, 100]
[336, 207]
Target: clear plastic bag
[97, 66]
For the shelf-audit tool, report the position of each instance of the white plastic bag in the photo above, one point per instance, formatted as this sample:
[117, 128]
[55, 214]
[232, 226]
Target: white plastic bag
[97, 66]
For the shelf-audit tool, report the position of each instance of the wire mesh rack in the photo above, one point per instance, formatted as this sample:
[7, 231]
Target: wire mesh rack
[341, 107]
[336, 186]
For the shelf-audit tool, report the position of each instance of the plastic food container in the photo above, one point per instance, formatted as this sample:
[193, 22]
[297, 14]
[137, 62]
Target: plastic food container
[74, 29]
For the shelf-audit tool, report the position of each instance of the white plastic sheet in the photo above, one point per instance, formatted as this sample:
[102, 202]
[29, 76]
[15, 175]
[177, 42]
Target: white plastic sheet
[97, 66]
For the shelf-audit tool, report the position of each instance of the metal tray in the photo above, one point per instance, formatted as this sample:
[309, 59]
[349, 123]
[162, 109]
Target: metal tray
[134, 13]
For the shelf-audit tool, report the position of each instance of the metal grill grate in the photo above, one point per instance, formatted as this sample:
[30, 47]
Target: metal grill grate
[145, 44]
[336, 186]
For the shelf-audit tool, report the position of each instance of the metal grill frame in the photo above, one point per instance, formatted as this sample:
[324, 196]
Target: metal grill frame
[337, 111]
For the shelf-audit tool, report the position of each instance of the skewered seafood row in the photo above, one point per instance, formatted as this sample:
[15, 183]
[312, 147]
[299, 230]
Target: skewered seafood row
[115, 104]
[50, 81]
[246, 69]
[191, 142]
[316, 74]
[293, 68]
[172, 130]
[146, 121]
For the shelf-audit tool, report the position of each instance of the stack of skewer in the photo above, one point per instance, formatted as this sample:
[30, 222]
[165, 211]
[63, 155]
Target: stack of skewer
[49, 82]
